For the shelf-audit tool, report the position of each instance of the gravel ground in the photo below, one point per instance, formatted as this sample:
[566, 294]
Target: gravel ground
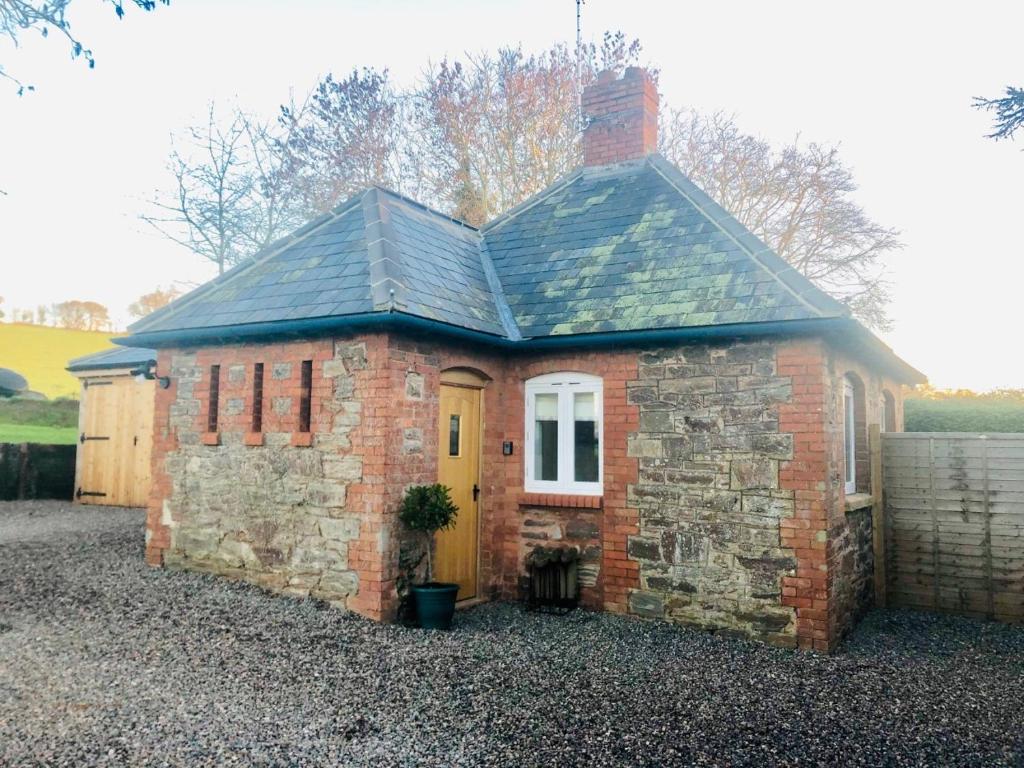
[104, 661]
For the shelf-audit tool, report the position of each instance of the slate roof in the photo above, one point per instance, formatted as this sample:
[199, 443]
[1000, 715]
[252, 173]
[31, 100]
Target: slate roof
[632, 247]
[118, 357]
[378, 252]
[638, 247]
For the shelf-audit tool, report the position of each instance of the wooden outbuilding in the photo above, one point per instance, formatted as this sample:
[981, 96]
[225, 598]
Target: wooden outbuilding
[115, 425]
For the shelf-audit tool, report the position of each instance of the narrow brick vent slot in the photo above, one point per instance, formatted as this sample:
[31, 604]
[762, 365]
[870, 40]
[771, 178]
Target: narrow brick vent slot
[257, 397]
[553, 579]
[213, 413]
[306, 396]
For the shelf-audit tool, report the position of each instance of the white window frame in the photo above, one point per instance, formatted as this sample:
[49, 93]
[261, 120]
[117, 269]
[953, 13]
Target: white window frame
[565, 385]
[849, 436]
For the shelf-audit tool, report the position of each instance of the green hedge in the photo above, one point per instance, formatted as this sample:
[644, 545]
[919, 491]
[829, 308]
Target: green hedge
[963, 415]
[39, 413]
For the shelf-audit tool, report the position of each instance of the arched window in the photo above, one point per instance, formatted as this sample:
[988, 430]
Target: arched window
[887, 417]
[564, 434]
[855, 444]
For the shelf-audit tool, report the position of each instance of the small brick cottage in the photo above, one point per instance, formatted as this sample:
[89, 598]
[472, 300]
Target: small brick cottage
[615, 365]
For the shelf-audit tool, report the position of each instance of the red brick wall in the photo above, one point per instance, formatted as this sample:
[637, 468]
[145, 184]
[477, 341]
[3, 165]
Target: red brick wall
[622, 117]
[616, 520]
[504, 507]
[850, 555]
[832, 585]
[807, 476]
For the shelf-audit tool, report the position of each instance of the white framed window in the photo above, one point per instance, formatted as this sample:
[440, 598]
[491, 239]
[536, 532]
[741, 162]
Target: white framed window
[849, 436]
[564, 439]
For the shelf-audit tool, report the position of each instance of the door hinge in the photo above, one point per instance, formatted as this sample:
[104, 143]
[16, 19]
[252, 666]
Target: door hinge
[476, 491]
[83, 438]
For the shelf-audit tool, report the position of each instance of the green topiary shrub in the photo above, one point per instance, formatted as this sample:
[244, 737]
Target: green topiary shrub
[427, 509]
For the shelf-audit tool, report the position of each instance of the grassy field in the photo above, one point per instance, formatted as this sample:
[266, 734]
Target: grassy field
[41, 354]
[31, 433]
[39, 421]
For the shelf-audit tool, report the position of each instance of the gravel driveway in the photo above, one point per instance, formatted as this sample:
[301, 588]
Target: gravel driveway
[106, 661]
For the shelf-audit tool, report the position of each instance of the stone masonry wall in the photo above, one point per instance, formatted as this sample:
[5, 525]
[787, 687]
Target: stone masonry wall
[722, 507]
[710, 446]
[282, 509]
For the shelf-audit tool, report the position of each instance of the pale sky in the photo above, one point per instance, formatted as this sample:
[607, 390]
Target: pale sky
[891, 83]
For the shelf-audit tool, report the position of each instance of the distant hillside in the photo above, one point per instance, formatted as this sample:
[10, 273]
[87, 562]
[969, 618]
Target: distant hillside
[41, 354]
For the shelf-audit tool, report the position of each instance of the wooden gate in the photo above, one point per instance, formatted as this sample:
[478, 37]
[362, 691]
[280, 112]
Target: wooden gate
[954, 522]
[115, 441]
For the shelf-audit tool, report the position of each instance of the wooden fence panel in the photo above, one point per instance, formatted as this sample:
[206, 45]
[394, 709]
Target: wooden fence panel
[954, 523]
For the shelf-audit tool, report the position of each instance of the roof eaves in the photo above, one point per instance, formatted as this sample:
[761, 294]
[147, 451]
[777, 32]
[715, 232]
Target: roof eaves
[382, 320]
[116, 357]
[799, 286]
[862, 342]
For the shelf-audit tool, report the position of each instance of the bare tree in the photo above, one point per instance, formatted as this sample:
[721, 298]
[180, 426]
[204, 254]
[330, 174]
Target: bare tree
[17, 16]
[275, 204]
[494, 130]
[798, 199]
[344, 139]
[229, 197]
[205, 210]
[1009, 111]
[152, 301]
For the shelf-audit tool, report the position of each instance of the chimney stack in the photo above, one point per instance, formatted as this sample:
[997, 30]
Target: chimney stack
[621, 117]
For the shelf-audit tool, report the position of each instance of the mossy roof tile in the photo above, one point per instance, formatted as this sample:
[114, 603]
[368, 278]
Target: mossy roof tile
[617, 248]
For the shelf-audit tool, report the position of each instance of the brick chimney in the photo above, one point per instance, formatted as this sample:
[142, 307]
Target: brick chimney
[621, 116]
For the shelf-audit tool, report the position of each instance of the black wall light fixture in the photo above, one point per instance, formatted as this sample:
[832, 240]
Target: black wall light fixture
[147, 371]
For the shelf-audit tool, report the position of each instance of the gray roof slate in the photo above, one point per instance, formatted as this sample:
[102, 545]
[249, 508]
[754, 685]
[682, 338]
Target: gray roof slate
[629, 247]
[118, 357]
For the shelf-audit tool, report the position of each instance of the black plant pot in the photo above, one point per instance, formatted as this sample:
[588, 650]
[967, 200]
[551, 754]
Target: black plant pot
[435, 604]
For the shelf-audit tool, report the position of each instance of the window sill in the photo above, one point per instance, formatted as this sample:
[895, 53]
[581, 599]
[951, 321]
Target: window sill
[855, 501]
[571, 501]
[302, 439]
[211, 438]
[253, 438]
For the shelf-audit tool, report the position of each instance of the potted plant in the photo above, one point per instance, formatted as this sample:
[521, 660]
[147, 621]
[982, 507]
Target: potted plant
[427, 509]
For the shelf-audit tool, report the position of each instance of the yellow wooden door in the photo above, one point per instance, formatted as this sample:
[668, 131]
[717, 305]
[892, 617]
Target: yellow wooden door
[139, 440]
[115, 441]
[459, 469]
[97, 453]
